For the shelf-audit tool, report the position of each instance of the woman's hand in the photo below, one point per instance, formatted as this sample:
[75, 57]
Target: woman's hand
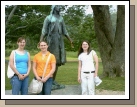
[25, 75]
[95, 74]
[38, 78]
[44, 79]
[79, 79]
[21, 77]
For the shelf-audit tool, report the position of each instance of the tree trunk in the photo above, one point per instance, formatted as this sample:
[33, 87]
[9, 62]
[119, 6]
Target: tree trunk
[10, 16]
[118, 52]
[111, 45]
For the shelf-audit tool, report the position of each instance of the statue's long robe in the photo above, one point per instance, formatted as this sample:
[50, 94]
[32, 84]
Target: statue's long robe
[53, 31]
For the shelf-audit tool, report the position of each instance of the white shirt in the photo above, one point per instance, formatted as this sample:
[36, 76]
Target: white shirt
[87, 61]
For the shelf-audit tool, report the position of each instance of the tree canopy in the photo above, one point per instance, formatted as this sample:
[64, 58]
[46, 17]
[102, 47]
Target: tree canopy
[27, 20]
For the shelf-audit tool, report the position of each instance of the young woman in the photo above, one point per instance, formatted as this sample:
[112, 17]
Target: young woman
[20, 79]
[39, 62]
[86, 69]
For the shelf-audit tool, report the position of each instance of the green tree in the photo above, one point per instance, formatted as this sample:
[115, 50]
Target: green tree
[24, 20]
[80, 26]
[27, 20]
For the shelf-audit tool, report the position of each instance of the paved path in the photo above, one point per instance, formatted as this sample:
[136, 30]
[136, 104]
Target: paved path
[76, 90]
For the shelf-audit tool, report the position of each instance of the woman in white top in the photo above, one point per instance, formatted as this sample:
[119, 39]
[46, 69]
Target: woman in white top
[86, 69]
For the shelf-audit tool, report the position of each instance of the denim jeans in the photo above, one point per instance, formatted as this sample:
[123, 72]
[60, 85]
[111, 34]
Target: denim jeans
[47, 87]
[19, 85]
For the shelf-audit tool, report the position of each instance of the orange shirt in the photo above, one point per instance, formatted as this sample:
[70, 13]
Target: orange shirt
[40, 63]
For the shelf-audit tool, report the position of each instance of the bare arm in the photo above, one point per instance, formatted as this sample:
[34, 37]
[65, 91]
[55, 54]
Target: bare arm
[29, 65]
[34, 71]
[79, 71]
[96, 64]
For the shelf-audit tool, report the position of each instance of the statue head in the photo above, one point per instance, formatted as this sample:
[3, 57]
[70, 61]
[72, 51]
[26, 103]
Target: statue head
[53, 7]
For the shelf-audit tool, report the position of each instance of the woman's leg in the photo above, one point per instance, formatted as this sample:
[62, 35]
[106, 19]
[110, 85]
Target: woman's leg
[24, 86]
[47, 86]
[91, 84]
[84, 84]
[16, 85]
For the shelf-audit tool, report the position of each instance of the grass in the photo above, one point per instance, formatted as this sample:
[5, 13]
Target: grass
[67, 74]
[71, 56]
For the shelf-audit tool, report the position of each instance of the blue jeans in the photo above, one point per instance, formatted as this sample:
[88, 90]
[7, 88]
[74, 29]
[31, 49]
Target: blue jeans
[19, 85]
[47, 87]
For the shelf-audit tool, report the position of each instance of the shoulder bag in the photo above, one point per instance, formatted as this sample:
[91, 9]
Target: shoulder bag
[10, 72]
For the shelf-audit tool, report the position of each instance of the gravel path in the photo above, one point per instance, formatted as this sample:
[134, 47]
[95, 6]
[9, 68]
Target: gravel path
[76, 90]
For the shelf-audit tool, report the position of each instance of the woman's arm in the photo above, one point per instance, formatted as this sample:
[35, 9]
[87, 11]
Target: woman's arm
[96, 64]
[29, 65]
[79, 71]
[34, 71]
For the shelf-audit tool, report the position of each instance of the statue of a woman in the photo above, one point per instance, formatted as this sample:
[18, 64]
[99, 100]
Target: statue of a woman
[53, 31]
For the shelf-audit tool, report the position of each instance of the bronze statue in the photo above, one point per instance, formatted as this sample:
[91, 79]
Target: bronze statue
[53, 31]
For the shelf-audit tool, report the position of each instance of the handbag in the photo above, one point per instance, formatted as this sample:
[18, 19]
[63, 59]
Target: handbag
[36, 86]
[10, 72]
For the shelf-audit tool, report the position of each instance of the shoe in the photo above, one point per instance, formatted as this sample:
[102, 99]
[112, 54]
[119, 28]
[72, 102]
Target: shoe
[98, 81]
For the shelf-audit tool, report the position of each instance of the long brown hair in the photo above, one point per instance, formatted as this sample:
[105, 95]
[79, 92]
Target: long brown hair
[81, 50]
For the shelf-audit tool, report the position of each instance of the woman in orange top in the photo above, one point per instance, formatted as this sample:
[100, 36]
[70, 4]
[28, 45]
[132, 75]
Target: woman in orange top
[39, 63]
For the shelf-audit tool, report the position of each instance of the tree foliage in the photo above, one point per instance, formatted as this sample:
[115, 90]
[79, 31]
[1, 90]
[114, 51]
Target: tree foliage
[27, 20]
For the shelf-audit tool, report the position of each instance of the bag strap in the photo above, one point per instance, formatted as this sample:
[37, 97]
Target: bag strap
[14, 58]
[93, 57]
[46, 65]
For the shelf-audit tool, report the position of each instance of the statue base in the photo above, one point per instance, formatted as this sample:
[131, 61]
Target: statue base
[56, 86]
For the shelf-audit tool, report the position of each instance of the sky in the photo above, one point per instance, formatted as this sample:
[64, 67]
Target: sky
[89, 9]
